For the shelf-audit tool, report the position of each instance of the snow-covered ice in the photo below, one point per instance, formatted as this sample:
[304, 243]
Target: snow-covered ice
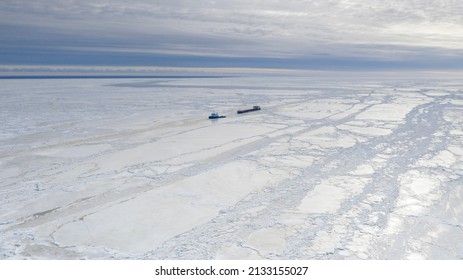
[328, 169]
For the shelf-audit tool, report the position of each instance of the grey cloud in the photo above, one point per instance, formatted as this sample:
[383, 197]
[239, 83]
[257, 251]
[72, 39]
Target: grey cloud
[385, 30]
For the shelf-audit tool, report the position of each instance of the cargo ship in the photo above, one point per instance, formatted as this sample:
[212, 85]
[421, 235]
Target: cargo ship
[254, 108]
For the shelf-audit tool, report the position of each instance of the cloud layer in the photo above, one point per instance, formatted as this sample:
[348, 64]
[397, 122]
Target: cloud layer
[288, 33]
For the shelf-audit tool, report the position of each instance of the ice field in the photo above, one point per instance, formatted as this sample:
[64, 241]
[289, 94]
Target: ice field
[328, 169]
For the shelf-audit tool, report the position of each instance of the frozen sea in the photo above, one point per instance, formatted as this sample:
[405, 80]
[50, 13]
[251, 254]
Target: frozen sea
[330, 168]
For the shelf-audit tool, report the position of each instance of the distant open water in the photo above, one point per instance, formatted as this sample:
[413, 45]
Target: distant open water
[108, 77]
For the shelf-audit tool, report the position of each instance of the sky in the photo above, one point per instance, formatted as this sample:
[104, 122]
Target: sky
[267, 34]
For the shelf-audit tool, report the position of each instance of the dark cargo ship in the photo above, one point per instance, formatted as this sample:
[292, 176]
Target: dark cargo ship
[254, 108]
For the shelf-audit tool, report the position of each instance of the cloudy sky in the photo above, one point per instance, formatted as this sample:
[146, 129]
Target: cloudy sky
[289, 34]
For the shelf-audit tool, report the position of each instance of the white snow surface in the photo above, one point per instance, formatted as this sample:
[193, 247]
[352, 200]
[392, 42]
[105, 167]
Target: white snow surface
[134, 169]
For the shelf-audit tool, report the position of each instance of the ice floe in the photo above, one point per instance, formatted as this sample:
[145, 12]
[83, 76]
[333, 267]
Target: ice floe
[328, 169]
